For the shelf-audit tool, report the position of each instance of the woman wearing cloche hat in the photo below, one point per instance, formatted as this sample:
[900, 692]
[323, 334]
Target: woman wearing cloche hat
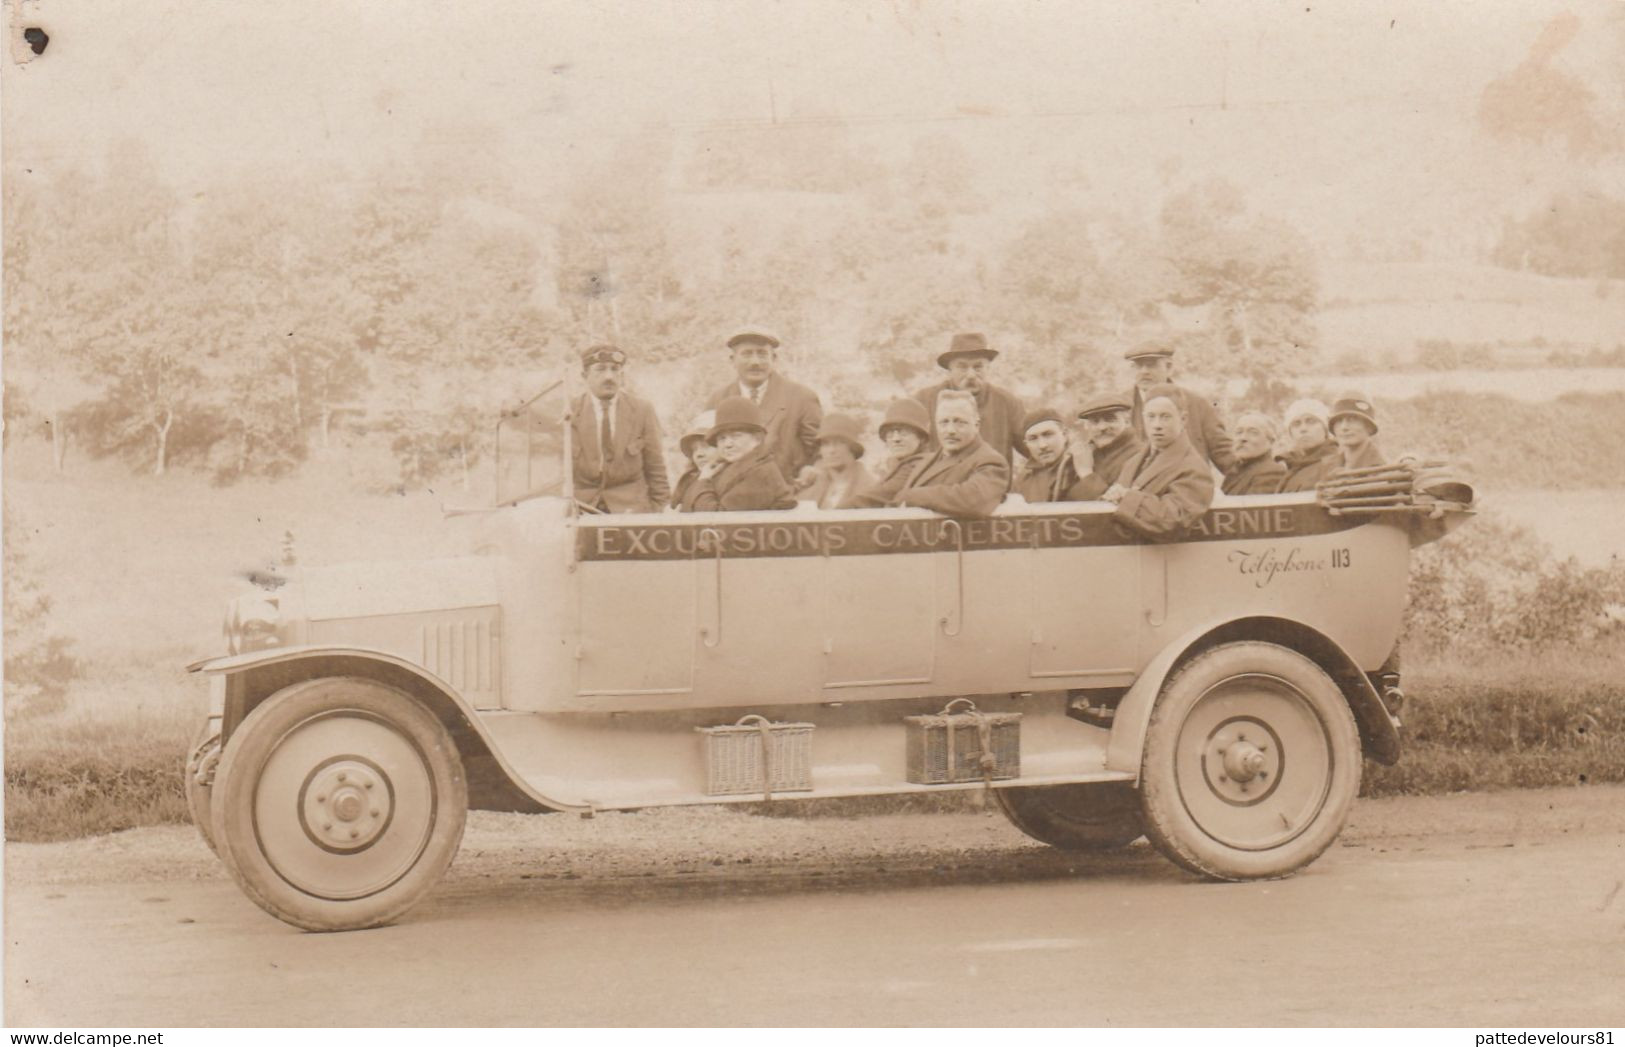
[837, 480]
[1354, 423]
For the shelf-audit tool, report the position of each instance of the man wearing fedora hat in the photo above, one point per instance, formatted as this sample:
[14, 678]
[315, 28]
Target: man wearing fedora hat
[906, 432]
[837, 481]
[968, 361]
[1049, 474]
[1113, 440]
[1163, 489]
[966, 476]
[1153, 364]
[790, 411]
[616, 457]
[743, 475]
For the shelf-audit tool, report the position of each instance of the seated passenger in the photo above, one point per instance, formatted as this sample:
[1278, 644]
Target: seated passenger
[744, 474]
[1354, 423]
[1257, 471]
[1112, 439]
[965, 477]
[906, 431]
[1313, 454]
[698, 452]
[1168, 485]
[837, 480]
[1049, 474]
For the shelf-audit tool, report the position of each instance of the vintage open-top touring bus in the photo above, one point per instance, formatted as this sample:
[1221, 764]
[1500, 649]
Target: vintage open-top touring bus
[1215, 693]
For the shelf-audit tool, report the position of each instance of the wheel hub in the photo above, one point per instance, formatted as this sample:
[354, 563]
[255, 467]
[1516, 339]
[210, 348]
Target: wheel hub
[1242, 761]
[1257, 765]
[346, 804]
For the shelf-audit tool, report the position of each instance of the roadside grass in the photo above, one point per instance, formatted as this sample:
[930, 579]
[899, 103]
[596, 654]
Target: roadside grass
[1479, 720]
[1474, 721]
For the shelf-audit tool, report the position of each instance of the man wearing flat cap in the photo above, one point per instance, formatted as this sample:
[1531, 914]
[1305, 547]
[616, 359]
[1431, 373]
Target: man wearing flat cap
[1153, 364]
[616, 457]
[968, 360]
[1049, 474]
[1163, 489]
[1113, 440]
[743, 475]
[790, 412]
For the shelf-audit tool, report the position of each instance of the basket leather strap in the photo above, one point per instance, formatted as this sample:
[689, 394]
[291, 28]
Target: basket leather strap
[766, 734]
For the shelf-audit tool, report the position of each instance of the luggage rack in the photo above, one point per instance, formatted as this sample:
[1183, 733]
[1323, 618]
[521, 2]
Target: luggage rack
[1406, 487]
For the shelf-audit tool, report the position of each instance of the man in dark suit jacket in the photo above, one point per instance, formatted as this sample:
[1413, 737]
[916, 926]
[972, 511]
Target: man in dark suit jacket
[965, 477]
[1113, 440]
[1153, 364]
[616, 457]
[743, 475]
[967, 362]
[1050, 473]
[791, 413]
[1257, 470]
[1167, 486]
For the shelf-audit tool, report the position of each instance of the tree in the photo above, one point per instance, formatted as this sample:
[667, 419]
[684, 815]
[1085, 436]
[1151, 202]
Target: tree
[39, 664]
[1254, 278]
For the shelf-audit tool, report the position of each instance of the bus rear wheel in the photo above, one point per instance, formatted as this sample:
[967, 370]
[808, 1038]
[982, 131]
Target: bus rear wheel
[1086, 817]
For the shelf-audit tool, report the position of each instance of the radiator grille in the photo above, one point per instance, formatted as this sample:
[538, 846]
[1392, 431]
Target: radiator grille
[464, 652]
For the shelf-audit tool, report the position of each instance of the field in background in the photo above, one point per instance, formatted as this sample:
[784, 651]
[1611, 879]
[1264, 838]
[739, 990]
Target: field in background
[1372, 309]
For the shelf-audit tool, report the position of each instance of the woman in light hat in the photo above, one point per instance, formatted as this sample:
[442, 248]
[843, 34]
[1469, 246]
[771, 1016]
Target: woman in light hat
[698, 451]
[1354, 423]
[838, 481]
[1313, 453]
[1258, 471]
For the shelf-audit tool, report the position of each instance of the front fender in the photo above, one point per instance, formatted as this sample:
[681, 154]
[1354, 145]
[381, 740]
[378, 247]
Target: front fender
[252, 677]
[1379, 731]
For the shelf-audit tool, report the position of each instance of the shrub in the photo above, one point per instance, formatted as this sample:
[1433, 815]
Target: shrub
[1493, 585]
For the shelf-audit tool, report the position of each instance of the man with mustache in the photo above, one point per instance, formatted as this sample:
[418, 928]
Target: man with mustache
[965, 477]
[1164, 488]
[790, 412]
[616, 457]
[1257, 471]
[968, 362]
[1113, 440]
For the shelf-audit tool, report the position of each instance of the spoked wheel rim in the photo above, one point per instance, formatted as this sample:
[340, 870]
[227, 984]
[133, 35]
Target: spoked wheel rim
[1255, 762]
[344, 806]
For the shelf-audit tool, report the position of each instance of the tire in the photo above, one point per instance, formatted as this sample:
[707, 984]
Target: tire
[339, 803]
[205, 749]
[1251, 763]
[1087, 817]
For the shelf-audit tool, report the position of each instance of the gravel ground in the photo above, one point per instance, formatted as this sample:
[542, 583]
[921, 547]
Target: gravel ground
[681, 844]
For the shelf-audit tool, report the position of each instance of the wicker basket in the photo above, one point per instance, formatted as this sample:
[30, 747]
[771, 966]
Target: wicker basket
[757, 756]
[963, 746]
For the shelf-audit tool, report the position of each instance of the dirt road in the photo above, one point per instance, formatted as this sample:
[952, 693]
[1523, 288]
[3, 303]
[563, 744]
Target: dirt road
[1481, 910]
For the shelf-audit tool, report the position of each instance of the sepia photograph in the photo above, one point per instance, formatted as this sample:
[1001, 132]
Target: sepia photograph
[923, 514]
